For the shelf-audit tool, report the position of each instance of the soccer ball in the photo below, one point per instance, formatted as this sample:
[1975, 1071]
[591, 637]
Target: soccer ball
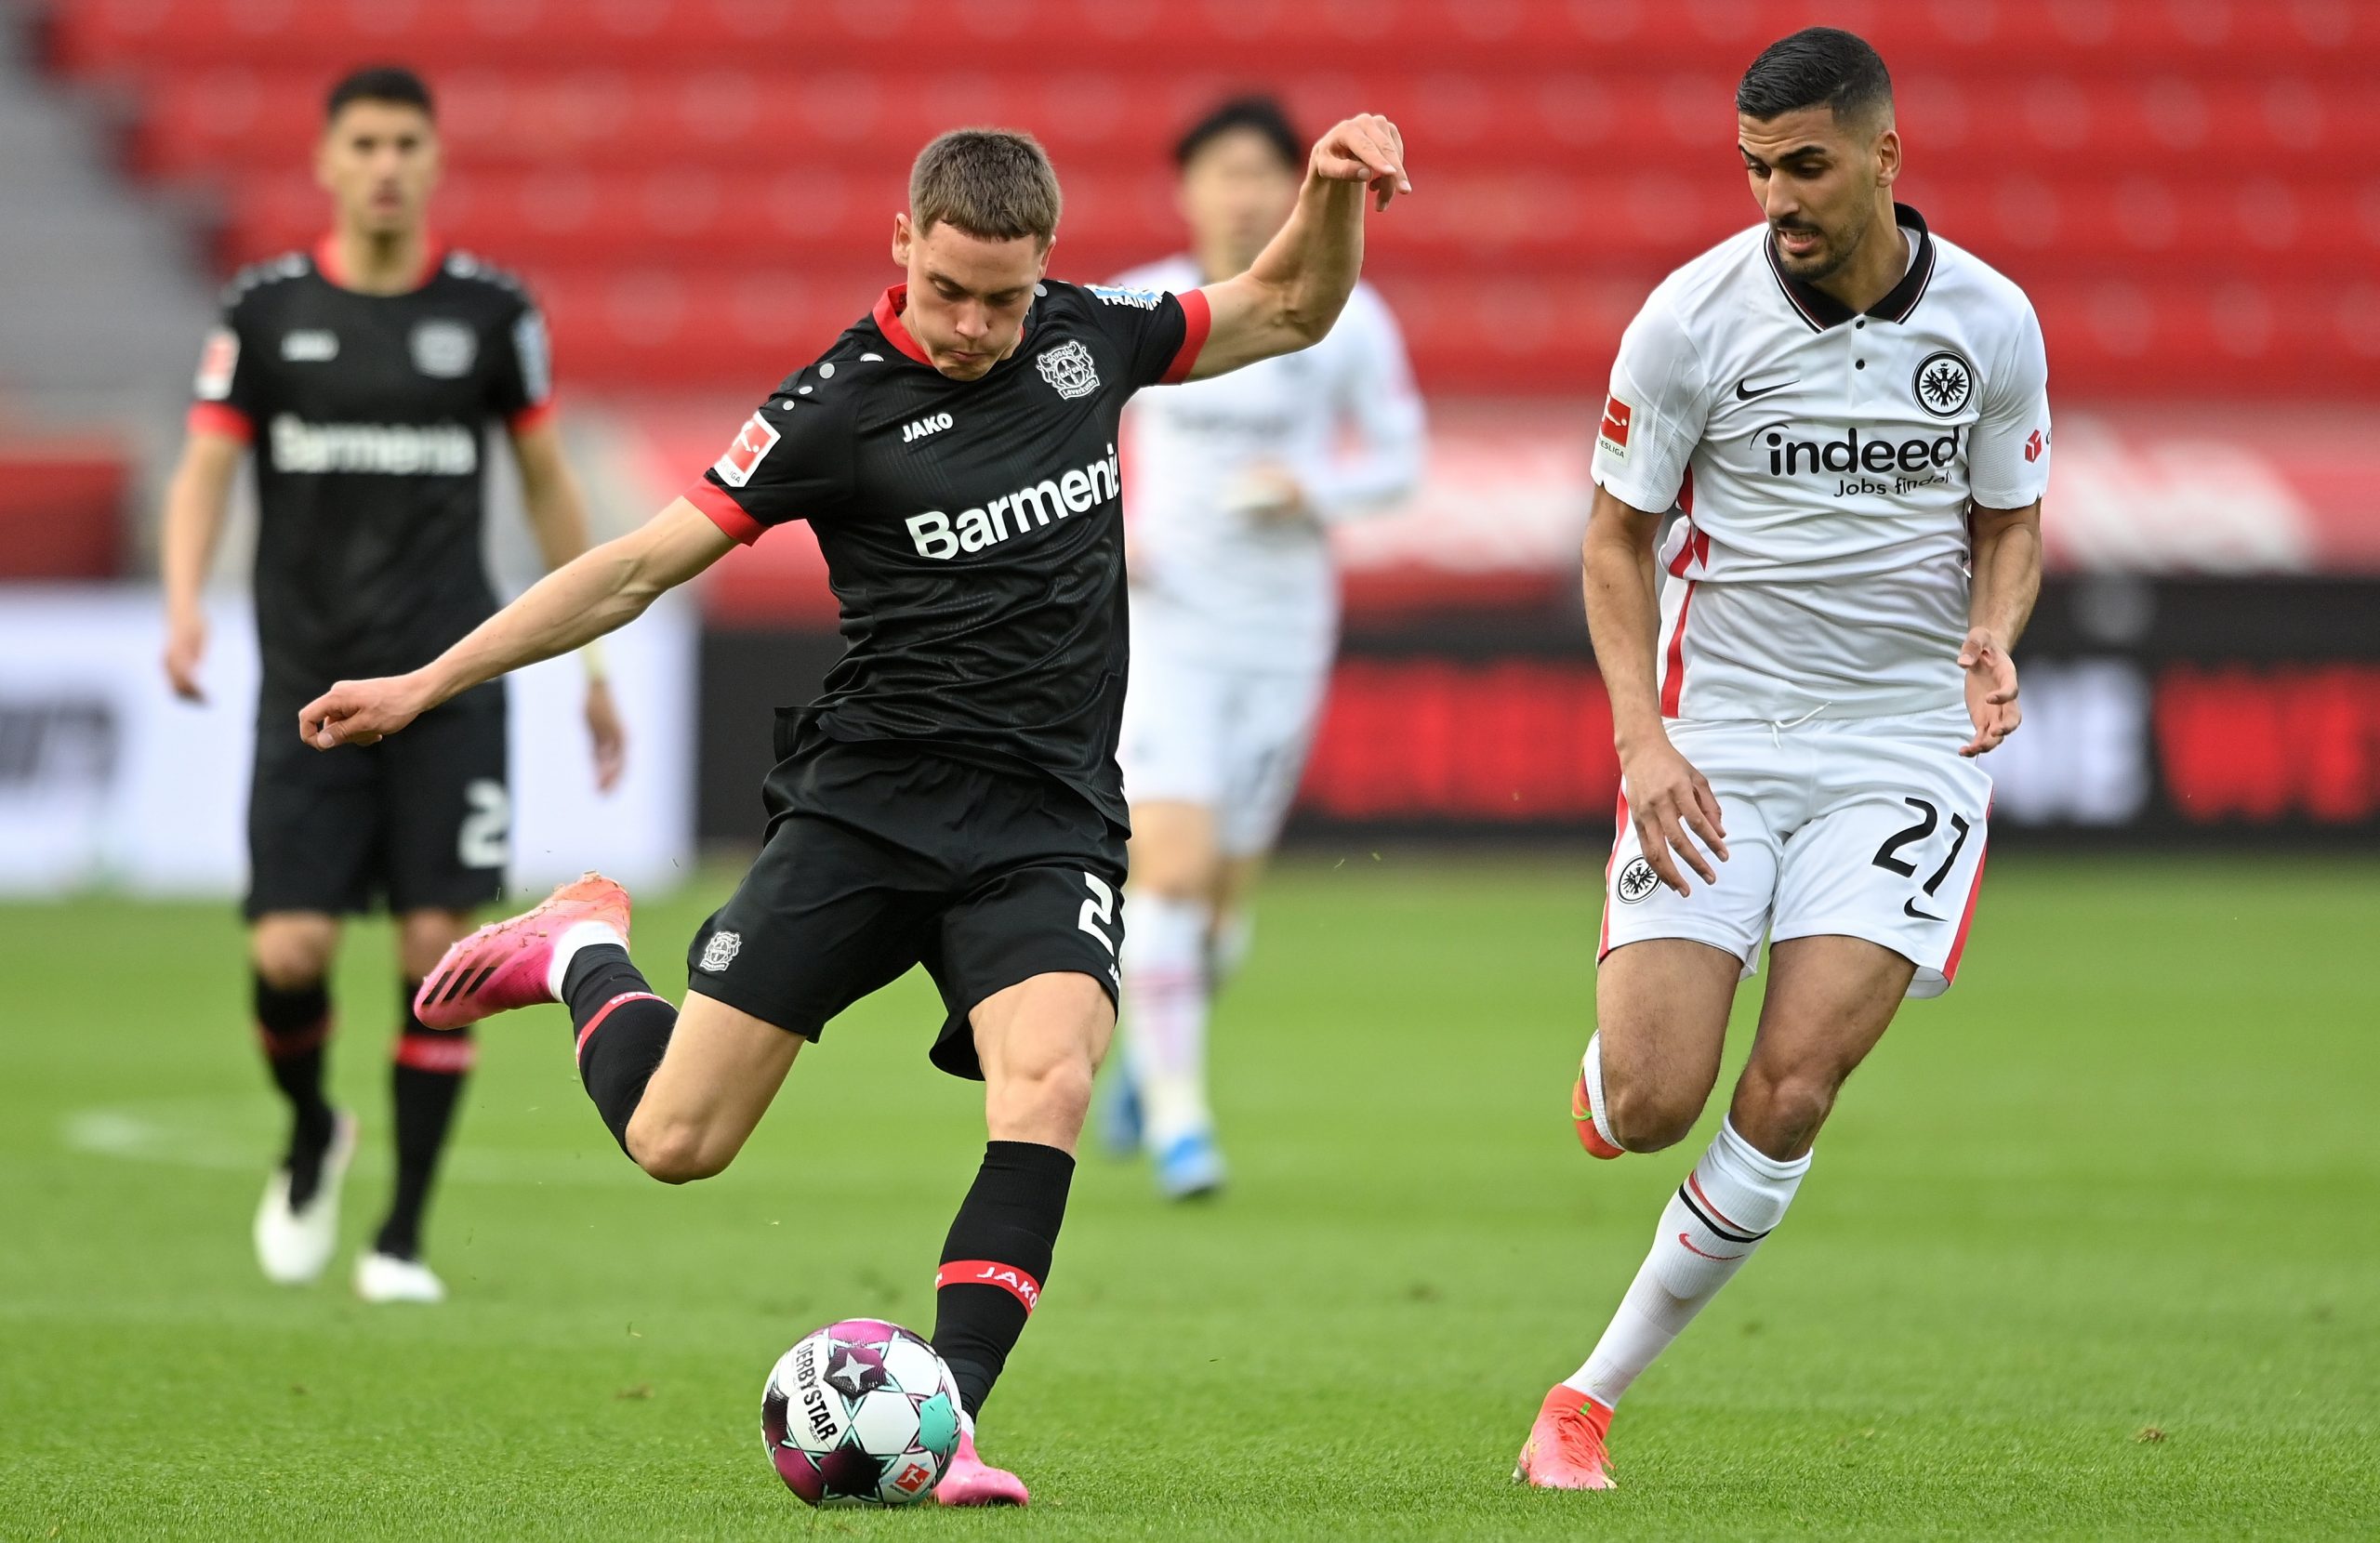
[860, 1413]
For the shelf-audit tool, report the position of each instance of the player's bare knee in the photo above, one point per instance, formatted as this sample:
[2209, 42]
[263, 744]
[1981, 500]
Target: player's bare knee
[1779, 1111]
[424, 936]
[677, 1154]
[291, 953]
[1051, 1095]
[1647, 1117]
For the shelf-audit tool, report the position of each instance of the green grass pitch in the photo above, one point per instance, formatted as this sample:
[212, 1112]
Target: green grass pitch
[2092, 1248]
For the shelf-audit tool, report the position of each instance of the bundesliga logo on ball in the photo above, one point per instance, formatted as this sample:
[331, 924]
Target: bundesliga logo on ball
[860, 1413]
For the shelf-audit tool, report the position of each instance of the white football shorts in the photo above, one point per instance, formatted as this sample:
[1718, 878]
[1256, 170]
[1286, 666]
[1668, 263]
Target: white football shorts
[1230, 738]
[1869, 828]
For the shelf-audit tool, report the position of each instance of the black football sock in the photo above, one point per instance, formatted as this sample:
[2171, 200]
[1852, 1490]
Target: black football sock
[622, 1029]
[425, 1080]
[296, 1027]
[995, 1260]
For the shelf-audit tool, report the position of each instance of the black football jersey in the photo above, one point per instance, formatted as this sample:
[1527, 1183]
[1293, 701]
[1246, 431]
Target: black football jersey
[369, 417]
[974, 530]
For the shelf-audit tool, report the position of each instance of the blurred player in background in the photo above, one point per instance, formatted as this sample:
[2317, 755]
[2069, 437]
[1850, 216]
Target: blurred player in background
[952, 798]
[1852, 416]
[364, 375]
[1235, 483]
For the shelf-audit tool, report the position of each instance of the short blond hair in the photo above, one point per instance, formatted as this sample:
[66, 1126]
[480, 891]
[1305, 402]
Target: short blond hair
[992, 183]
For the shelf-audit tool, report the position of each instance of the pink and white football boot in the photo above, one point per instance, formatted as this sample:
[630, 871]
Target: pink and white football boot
[509, 964]
[969, 1481]
[1565, 1449]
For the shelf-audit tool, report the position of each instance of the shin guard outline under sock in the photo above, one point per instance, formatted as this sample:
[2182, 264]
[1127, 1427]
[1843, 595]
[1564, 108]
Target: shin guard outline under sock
[1733, 1198]
[622, 1029]
[995, 1260]
[425, 1082]
[294, 1024]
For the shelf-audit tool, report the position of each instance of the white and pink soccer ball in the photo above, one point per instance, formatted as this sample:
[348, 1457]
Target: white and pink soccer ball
[860, 1413]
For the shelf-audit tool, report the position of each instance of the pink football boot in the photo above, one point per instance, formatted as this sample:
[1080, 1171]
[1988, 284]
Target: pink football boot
[505, 964]
[1565, 1448]
[969, 1481]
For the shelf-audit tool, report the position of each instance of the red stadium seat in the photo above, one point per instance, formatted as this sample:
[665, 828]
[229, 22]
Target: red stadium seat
[697, 186]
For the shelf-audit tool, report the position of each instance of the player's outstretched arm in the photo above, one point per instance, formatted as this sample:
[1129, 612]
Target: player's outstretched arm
[1297, 286]
[1667, 798]
[2007, 556]
[599, 592]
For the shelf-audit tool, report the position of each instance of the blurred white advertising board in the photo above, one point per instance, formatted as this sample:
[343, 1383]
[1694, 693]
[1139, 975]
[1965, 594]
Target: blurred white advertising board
[107, 781]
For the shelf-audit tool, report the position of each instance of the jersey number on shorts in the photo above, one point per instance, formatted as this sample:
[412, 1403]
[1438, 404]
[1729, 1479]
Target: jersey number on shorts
[1888, 855]
[1099, 908]
[485, 838]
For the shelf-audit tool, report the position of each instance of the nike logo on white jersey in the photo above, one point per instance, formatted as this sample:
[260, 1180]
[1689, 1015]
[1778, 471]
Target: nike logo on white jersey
[1753, 387]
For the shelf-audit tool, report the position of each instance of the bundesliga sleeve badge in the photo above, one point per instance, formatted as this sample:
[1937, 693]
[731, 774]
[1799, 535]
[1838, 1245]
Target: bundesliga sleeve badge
[1613, 438]
[753, 443]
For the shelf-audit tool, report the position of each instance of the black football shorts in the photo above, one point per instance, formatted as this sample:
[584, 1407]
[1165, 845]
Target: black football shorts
[884, 855]
[421, 820]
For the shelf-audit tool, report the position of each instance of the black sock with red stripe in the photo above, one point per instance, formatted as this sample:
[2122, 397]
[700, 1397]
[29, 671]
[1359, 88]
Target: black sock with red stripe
[295, 1025]
[622, 1029]
[426, 1081]
[995, 1260]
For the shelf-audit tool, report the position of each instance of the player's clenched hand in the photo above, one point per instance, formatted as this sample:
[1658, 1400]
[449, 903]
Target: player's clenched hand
[1367, 148]
[1991, 693]
[185, 645]
[1673, 807]
[360, 712]
[611, 738]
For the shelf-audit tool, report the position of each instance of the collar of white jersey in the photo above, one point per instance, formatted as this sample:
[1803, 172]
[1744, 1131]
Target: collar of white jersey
[1822, 311]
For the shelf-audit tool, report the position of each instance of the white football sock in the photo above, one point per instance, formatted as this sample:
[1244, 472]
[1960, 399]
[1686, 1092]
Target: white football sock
[577, 935]
[1165, 1008]
[1734, 1197]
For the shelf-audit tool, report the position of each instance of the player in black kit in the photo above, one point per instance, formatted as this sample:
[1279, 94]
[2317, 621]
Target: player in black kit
[365, 375]
[952, 799]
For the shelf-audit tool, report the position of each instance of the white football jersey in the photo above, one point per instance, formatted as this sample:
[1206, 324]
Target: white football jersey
[1342, 417]
[1823, 464]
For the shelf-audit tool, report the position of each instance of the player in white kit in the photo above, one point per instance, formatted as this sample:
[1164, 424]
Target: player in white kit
[1234, 484]
[1849, 416]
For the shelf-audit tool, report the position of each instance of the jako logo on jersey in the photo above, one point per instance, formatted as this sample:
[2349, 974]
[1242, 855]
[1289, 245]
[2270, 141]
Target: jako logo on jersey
[309, 345]
[393, 449]
[920, 427]
[1068, 369]
[753, 441]
[720, 951]
[1613, 437]
[1078, 491]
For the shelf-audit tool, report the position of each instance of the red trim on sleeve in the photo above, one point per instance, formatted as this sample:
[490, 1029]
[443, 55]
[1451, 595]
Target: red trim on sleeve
[1673, 679]
[221, 417]
[1198, 320]
[889, 307]
[724, 510]
[535, 416]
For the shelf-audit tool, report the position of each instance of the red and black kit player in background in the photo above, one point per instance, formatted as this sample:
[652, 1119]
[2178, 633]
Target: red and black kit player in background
[364, 375]
[952, 798]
